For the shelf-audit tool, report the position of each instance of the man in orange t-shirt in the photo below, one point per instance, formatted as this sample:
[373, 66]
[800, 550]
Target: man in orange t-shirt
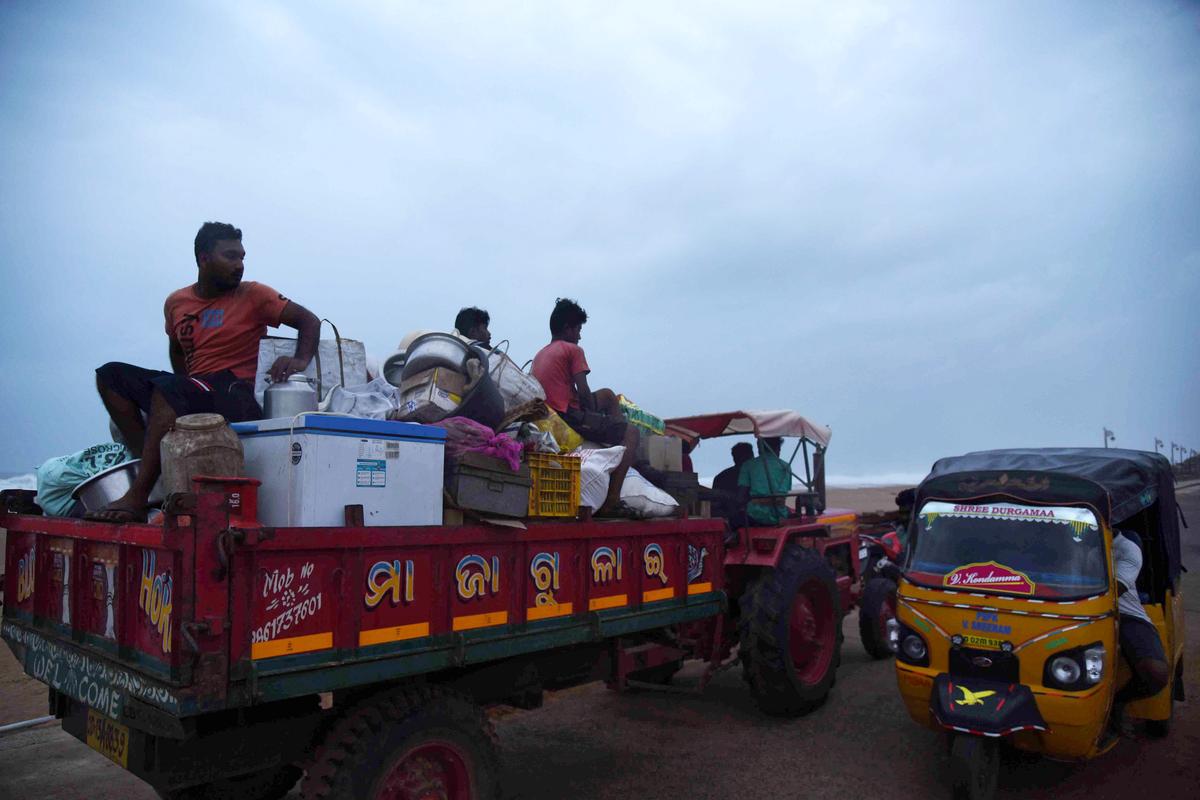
[562, 369]
[214, 327]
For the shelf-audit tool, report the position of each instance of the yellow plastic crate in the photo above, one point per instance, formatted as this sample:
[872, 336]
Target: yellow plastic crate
[555, 489]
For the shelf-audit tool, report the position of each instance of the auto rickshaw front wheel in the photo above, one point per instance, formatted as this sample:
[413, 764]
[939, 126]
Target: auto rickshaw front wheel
[974, 767]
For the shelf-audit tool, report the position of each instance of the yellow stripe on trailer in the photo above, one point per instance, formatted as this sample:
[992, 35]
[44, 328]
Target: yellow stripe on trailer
[296, 644]
[473, 621]
[658, 594]
[395, 633]
[548, 612]
[612, 601]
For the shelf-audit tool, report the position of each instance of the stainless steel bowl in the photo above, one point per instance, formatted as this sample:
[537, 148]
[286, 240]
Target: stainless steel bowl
[104, 487]
[436, 350]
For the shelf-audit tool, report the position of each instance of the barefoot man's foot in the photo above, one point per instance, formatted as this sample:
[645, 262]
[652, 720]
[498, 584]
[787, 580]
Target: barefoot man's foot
[124, 509]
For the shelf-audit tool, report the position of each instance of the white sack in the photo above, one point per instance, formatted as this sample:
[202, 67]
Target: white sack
[353, 362]
[372, 400]
[596, 465]
[646, 498]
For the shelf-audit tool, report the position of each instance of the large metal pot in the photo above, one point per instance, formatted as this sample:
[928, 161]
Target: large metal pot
[111, 484]
[438, 350]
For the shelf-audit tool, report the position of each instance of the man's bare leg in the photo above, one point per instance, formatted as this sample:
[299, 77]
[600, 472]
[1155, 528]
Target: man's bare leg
[617, 479]
[125, 415]
[132, 505]
[606, 402]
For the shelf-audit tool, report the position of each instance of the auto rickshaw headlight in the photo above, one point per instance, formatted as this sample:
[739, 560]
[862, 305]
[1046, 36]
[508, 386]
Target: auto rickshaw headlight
[1093, 664]
[913, 648]
[1065, 670]
[1076, 669]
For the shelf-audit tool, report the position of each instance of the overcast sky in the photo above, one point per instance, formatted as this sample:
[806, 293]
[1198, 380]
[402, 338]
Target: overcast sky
[935, 227]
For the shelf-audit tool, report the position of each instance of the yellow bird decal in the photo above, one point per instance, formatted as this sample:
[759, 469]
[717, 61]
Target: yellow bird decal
[970, 698]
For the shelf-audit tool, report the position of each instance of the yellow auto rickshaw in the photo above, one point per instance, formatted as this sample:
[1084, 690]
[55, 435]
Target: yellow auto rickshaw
[1007, 618]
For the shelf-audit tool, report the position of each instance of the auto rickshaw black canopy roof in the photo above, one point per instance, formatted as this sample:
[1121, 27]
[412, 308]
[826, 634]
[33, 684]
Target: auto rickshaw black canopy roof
[1117, 483]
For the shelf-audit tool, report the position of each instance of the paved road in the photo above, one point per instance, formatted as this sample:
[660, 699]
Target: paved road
[589, 744]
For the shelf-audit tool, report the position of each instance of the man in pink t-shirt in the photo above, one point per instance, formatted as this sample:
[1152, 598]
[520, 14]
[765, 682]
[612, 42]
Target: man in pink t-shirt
[214, 327]
[562, 369]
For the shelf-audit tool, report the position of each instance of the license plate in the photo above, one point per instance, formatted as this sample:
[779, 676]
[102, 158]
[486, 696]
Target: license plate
[110, 739]
[862, 554]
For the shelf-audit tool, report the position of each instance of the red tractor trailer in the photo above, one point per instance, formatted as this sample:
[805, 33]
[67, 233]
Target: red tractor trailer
[214, 656]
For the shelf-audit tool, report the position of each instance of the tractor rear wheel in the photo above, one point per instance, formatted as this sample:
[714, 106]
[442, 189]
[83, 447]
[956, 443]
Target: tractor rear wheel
[420, 743]
[878, 605]
[791, 633]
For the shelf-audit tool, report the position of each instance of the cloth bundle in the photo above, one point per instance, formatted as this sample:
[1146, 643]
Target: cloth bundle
[58, 477]
[464, 435]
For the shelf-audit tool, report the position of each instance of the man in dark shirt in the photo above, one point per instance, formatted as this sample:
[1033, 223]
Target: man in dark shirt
[725, 485]
[472, 323]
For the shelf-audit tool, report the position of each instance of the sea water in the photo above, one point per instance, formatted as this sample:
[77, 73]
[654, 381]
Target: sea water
[10, 480]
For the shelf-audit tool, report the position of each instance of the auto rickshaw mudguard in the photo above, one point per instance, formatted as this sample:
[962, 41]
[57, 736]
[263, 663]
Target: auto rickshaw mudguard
[982, 707]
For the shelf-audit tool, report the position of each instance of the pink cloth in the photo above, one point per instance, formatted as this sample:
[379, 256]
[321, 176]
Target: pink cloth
[555, 367]
[465, 435]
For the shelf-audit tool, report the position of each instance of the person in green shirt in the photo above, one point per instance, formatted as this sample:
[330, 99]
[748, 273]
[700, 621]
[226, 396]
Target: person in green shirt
[762, 477]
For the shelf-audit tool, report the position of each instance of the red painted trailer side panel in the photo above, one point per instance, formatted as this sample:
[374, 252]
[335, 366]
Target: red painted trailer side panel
[205, 610]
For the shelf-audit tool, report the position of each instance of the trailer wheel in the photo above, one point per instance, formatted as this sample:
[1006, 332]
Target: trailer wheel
[877, 607]
[423, 743]
[267, 784]
[791, 634]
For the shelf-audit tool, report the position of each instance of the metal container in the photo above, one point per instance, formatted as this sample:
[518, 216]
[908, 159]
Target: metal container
[199, 444]
[111, 484]
[393, 368]
[438, 350]
[296, 395]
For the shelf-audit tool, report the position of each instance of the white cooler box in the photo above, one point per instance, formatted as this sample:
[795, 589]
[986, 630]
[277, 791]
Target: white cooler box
[312, 470]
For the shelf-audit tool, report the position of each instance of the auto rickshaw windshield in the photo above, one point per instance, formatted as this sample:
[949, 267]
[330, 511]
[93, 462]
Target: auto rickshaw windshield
[1006, 548]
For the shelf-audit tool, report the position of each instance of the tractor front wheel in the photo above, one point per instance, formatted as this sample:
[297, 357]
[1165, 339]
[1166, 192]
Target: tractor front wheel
[878, 605]
[791, 633]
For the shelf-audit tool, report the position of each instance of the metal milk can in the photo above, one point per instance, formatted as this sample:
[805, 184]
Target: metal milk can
[288, 398]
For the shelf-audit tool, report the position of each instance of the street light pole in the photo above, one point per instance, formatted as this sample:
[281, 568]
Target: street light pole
[1157, 443]
[1109, 436]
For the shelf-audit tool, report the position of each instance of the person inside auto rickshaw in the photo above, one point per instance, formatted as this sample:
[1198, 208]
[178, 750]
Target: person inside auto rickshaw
[1138, 638]
[763, 483]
